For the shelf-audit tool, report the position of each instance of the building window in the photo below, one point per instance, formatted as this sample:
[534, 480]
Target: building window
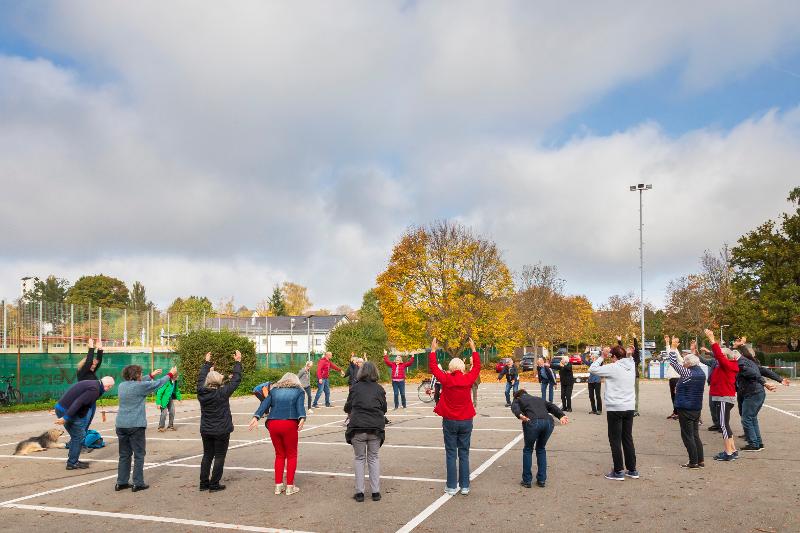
[291, 343]
[318, 342]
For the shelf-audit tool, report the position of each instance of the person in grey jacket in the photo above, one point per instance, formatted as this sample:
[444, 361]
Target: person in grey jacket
[132, 422]
[304, 375]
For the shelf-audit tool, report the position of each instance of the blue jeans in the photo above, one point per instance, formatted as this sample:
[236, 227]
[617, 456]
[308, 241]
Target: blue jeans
[535, 432]
[399, 387]
[77, 431]
[457, 434]
[545, 385]
[324, 386]
[509, 386]
[751, 405]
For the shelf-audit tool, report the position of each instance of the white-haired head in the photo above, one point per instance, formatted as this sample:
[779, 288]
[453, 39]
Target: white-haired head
[690, 360]
[456, 364]
[107, 382]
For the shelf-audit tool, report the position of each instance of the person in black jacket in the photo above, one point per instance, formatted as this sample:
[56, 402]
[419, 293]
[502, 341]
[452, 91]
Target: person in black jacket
[537, 426]
[567, 382]
[88, 367]
[366, 407]
[73, 409]
[511, 374]
[216, 424]
[750, 385]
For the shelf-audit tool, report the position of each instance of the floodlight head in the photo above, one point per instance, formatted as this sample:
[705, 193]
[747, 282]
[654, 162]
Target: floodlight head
[633, 188]
[641, 187]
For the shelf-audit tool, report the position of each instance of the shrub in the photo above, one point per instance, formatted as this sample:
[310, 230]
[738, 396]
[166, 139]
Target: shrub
[192, 349]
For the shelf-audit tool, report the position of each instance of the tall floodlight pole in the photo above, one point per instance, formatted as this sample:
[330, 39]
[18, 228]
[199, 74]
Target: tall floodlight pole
[641, 187]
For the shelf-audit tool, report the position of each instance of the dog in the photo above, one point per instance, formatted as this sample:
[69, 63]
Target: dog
[39, 444]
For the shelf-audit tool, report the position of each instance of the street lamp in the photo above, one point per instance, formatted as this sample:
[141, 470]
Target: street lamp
[722, 342]
[641, 187]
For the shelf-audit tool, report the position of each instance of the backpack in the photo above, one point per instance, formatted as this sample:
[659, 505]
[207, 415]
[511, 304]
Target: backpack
[93, 439]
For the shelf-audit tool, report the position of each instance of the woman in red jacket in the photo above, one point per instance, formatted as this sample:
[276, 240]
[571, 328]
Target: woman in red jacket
[456, 409]
[398, 368]
[723, 394]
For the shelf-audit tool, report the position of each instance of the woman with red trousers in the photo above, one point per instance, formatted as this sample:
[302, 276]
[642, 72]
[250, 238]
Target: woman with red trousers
[287, 414]
[456, 409]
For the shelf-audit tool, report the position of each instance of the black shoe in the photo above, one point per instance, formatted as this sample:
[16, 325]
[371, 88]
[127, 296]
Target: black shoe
[540, 484]
[713, 428]
[599, 413]
[203, 486]
[124, 486]
[359, 497]
[80, 465]
[508, 405]
[216, 488]
[751, 448]
[689, 465]
[526, 485]
[376, 496]
[137, 488]
[594, 412]
[636, 413]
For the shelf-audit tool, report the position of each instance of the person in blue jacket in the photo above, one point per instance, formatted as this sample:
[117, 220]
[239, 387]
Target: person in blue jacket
[511, 373]
[547, 379]
[595, 387]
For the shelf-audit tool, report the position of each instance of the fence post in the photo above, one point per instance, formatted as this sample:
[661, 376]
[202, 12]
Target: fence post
[168, 328]
[100, 324]
[71, 327]
[152, 339]
[5, 344]
[40, 325]
[125, 327]
[19, 355]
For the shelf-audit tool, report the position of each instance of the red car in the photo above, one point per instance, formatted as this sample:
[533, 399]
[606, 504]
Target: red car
[575, 359]
[499, 366]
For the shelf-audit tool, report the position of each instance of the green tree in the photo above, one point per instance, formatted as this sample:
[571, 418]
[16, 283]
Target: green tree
[222, 345]
[365, 335]
[52, 289]
[193, 305]
[277, 305]
[139, 298]
[100, 291]
[766, 280]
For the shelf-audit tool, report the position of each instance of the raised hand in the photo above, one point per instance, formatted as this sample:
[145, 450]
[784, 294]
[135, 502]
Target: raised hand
[173, 371]
[619, 338]
[156, 372]
[208, 357]
[693, 346]
[675, 342]
[710, 336]
[385, 353]
[472, 344]
[770, 387]
[786, 382]
[434, 345]
[705, 350]
[91, 343]
[666, 341]
[237, 356]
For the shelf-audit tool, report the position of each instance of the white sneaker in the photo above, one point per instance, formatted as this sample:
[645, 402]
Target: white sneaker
[291, 489]
[280, 487]
[465, 491]
[451, 492]
[310, 411]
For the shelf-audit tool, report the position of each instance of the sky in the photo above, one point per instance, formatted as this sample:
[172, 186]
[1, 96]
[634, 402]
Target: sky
[217, 149]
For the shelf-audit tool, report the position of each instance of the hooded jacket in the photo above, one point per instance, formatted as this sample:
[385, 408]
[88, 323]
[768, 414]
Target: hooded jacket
[619, 394]
[215, 406]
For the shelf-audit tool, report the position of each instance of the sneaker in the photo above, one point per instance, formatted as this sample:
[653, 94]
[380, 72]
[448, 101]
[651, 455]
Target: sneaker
[701, 464]
[526, 485]
[751, 448]
[633, 474]
[722, 456]
[359, 497]
[80, 465]
[161, 430]
[310, 411]
[203, 486]
[172, 428]
[122, 486]
[465, 491]
[713, 428]
[540, 484]
[735, 454]
[690, 465]
[616, 476]
[279, 487]
[315, 406]
[137, 488]
[451, 492]
[216, 488]
[636, 413]
[376, 496]
[594, 412]
[292, 489]
[508, 405]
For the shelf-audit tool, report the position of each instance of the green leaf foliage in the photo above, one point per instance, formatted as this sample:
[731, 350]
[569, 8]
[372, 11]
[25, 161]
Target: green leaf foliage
[100, 291]
[192, 349]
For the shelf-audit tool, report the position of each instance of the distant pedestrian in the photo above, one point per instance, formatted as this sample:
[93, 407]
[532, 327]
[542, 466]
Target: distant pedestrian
[567, 382]
[73, 412]
[304, 375]
[216, 422]
[131, 423]
[456, 409]
[537, 426]
[323, 375]
[511, 373]
[595, 383]
[620, 400]
[166, 396]
[547, 379]
[398, 372]
[286, 414]
[366, 410]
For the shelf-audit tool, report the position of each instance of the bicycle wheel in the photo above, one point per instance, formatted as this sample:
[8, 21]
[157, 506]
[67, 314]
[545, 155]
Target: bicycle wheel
[425, 391]
[15, 396]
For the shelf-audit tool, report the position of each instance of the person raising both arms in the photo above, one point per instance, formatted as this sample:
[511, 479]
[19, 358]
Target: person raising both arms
[750, 385]
[688, 400]
[87, 370]
[398, 371]
[323, 373]
[723, 393]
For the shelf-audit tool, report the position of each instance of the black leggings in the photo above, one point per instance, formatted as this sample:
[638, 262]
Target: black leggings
[620, 438]
[724, 409]
[215, 447]
[566, 396]
[673, 384]
[594, 396]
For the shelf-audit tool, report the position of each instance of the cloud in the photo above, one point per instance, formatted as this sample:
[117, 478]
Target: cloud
[221, 148]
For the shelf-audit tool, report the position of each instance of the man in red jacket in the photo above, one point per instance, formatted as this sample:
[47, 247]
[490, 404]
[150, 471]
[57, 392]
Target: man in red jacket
[323, 371]
[456, 409]
[723, 394]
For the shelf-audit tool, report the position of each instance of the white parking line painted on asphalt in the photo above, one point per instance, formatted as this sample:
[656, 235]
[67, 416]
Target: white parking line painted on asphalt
[439, 428]
[781, 411]
[147, 518]
[318, 473]
[62, 459]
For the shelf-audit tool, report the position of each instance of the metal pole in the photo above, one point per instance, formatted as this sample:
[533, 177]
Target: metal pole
[308, 337]
[40, 325]
[5, 319]
[19, 355]
[100, 324]
[641, 277]
[125, 328]
[167, 325]
[71, 328]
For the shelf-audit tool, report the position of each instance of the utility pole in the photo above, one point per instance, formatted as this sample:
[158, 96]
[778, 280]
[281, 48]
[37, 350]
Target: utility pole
[641, 187]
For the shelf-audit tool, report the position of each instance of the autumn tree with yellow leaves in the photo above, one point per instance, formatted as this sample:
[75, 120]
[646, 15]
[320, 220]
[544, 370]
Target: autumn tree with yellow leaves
[443, 281]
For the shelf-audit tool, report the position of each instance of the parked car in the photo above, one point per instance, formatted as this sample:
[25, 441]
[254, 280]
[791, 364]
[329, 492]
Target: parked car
[499, 366]
[575, 359]
[528, 362]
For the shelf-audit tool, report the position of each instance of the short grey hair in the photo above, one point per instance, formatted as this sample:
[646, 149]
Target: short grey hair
[732, 355]
[456, 364]
[214, 380]
[107, 381]
[367, 372]
[288, 381]
[690, 360]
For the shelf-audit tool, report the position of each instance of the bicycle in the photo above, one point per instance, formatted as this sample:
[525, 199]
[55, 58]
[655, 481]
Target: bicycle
[427, 390]
[10, 394]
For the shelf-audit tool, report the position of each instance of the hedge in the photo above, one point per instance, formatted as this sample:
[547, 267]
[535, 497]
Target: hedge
[769, 358]
[193, 347]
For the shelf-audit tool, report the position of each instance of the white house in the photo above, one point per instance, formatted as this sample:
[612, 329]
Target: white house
[282, 334]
